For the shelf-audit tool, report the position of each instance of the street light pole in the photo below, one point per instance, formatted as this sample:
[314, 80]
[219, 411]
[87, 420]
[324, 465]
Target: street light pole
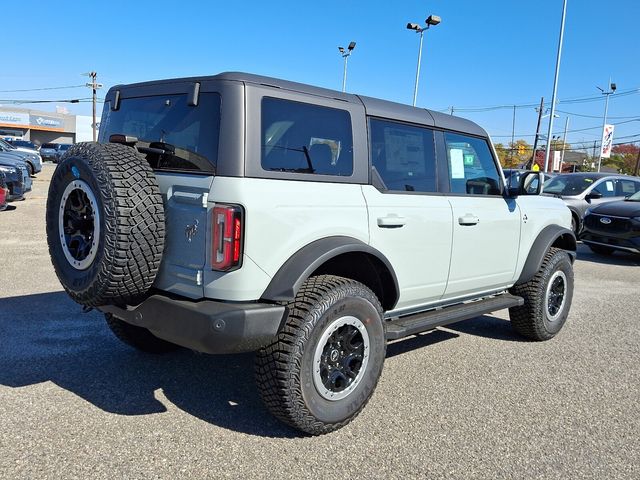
[432, 20]
[346, 54]
[415, 88]
[555, 83]
[611, 88]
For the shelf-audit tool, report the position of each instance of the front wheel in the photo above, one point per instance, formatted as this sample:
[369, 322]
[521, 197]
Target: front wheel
[326, 361]
[547, 298]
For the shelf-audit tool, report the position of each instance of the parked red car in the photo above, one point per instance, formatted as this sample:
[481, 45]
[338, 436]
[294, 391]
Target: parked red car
[4, 192]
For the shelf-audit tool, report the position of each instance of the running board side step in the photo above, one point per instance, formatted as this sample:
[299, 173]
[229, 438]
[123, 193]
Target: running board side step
[422, 322]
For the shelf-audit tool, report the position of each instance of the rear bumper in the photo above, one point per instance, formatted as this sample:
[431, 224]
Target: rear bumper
[206, 326]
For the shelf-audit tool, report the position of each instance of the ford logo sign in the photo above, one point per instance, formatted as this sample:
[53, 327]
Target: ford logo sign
[605, 220]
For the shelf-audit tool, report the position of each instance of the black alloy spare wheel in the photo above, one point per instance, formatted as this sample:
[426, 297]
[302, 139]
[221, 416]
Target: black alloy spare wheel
[79, 224]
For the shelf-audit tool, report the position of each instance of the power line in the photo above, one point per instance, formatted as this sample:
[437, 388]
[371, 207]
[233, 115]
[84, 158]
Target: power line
[40, 89]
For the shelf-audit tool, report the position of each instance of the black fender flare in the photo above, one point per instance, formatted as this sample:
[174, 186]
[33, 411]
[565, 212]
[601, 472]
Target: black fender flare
[550, 235]
[292, 274]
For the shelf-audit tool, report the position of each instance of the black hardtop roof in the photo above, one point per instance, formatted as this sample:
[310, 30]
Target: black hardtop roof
[373, 106]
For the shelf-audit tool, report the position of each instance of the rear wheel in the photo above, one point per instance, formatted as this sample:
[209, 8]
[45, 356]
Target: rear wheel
[326, 361]
[547, 298]
[601, 250]
[138, 337]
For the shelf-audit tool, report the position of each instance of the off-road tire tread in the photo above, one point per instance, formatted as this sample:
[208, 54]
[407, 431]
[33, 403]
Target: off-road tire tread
[134, 224]
[138, 337]
[278, 365]
[524, 318]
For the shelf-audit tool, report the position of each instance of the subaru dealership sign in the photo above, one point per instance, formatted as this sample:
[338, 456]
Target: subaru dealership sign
[45, 122]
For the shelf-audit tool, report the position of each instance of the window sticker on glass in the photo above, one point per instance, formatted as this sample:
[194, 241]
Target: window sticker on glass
[457, 163]
[469, 160]
[334, 145]
[405, 151]
[609, 185]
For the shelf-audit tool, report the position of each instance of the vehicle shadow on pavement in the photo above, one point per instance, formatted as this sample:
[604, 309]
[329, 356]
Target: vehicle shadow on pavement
[488, 326]
[617, 258]
[47, 338]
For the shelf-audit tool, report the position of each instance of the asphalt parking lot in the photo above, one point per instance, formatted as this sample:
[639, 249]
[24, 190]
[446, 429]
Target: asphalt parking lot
[469, 401]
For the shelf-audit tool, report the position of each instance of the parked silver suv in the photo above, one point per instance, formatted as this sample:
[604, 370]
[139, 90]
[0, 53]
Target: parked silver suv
[240, 213]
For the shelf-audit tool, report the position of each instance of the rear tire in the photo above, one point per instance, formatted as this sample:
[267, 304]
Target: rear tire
[105, 224]
[547, 298]
[326, 361]
[601, 250]
[138, 337]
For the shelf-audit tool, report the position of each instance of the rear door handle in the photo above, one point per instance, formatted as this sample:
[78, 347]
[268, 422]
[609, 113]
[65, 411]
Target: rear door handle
[468, 219]
[391, 221]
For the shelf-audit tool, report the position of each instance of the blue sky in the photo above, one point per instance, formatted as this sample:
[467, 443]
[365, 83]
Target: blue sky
[482, 54]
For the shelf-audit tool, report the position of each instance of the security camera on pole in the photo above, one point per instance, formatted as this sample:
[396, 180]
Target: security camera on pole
[346, 54]
[94, 86]
[431, 21]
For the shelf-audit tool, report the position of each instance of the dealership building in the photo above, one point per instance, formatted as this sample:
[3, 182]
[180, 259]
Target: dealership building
[44, 127]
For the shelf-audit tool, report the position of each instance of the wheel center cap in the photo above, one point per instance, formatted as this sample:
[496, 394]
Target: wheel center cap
[334, 355]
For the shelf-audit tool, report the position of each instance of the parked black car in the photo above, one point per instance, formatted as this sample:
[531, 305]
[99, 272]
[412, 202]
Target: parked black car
[613, 226]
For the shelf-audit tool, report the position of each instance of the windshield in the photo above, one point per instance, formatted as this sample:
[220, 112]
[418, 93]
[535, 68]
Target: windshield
[175, 135]
[568, 184]
[64, 147]
[48, 145]
[6, 145]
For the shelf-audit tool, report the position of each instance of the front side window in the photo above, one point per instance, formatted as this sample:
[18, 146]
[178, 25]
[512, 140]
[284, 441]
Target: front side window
[607, 188]
[188, 135]
[304, 138]
[472, 170]
[404, 156]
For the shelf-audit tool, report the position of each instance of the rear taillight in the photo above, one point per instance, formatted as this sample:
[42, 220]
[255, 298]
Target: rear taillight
[226, 250]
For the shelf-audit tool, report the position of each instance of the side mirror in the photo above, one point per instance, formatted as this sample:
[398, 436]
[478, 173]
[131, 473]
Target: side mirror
[530, 184]
[593, 195]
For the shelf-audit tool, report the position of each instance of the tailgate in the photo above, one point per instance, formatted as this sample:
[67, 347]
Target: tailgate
[187, 233]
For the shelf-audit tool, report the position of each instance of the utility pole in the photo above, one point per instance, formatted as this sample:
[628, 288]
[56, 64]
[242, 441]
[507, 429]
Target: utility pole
[94, 86]
[513, 134]
[535, 141]
[635, 171]
[594, 153]
[564, 142]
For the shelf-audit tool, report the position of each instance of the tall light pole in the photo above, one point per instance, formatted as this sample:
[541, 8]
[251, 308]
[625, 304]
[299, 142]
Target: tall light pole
[611, 88]
[346, 54]
[555, 83]
[94, 86]
[432, 20]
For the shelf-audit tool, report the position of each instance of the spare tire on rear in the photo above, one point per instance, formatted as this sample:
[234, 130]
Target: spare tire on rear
[105, 224]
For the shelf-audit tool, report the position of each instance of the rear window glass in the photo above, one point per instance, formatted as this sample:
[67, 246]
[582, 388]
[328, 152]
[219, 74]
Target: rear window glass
[304, 138]
[172, 134]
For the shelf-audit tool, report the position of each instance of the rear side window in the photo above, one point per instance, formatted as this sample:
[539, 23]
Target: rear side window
[188, 135]
[304, 138]
[472, 170]
[404, 156]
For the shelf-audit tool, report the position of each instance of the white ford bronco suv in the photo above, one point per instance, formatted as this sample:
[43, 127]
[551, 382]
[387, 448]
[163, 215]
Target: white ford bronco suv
[237, 213]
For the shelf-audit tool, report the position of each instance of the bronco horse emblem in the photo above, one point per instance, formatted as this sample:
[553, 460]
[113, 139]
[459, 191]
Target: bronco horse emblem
[191, 230]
